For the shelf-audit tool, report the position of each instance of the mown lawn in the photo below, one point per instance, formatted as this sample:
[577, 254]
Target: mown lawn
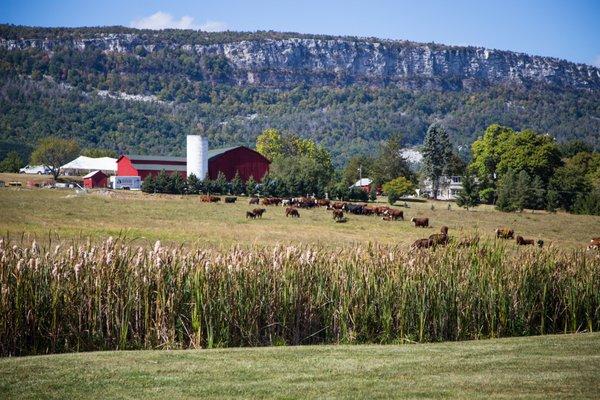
[559, 366]
[184, 219]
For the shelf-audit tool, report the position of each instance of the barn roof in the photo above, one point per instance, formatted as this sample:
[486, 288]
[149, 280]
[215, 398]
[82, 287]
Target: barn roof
[211, 154]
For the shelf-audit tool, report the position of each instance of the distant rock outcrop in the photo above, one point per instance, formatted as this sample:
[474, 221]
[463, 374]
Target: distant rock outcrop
[340, 61]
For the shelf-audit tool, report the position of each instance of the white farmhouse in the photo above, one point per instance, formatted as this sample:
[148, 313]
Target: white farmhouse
[448, 190]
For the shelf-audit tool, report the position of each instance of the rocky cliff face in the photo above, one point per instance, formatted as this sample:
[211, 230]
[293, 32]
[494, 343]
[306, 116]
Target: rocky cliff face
[341, 61]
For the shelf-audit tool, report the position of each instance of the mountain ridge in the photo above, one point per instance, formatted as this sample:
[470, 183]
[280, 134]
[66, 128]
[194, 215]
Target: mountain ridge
[277, 59]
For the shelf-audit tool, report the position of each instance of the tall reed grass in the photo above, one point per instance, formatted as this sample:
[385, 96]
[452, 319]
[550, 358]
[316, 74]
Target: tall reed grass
[83, 296]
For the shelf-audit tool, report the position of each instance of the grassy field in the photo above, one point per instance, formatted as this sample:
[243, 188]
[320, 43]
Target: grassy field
[184, 219]
[562, 366]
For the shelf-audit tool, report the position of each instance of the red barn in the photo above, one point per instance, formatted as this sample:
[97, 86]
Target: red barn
[228, 160]
[95, 179]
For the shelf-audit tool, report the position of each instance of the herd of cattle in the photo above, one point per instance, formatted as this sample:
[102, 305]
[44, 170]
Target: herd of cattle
[386, 213]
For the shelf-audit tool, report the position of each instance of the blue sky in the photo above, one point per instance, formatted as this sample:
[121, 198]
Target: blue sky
[564, 29]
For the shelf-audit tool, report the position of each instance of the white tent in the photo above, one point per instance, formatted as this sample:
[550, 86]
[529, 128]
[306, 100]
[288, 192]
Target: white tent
[85, 164]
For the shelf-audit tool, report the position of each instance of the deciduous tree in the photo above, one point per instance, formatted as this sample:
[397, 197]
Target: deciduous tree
[54, 152]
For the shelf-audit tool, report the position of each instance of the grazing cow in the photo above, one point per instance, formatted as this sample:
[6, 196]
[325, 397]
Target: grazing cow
[210, 199]
[338, 214]
[292, 212]
[323, 203]
[254, 200]
[353, 208]
[271, 201]
[337, 205]
[367, 211]
[422, 244]
[540, 243]
[420, 222]
[594, 244]
[444, 230]
[439, 238]
[259, 212]
[230, 199]
[524, 242]
[395, 214]
[250, 214]
[505, 233]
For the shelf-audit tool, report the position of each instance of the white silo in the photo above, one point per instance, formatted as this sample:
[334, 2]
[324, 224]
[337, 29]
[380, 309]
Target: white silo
[197, 156]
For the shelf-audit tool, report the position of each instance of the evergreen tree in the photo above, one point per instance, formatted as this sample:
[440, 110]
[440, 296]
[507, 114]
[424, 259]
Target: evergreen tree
[389, 163]
[537, 194]
[237, 185]
[522, 191]
[161, 183]
[504, 192]
[373, 193]
[251, 186]
[149, 184]
[468, 196]
[220, 184]
[178, 184]
[437, 153]
[588, 203]
[193, 184]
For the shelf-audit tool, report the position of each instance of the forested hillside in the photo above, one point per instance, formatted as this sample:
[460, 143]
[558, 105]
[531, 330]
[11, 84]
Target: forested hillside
[142, 91]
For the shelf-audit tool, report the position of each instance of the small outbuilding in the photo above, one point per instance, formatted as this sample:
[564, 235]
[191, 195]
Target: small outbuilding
[95, 179]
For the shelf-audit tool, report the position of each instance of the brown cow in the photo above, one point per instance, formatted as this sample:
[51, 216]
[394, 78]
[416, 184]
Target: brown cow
[254, 200]
[439, 238]
[338, 214]
[505, 233]
[210, 199]
[422, 244]
[292, 212]
[250, 214]
[395, 214]
[271, 201]
[230, 199]
[323, 203]
[524, 242]
[338, 205]
[444, 230]
[420, 222]
[259, 212]
[594, 244]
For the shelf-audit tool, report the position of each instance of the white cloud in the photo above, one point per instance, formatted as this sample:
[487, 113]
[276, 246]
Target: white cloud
[163, 20]
[596, 62]
[213, 26]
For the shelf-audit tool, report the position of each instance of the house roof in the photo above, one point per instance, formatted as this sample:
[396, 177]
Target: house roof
[93, 173]
[363, 182]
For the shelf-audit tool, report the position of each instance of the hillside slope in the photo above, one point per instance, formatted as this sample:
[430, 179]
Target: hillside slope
[347, 93]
